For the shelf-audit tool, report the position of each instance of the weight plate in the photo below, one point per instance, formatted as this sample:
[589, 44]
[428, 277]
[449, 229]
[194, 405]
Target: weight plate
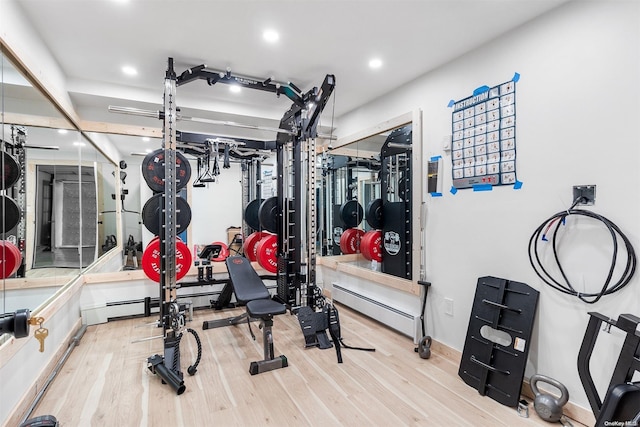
[373, 214]
[402, 188]
[371, 245]
[251, 214]
[152, 209]
[11, 173]
[10, 213]
[351, 213]
[267, 253]
[350, 241]
[224, 252]
[250, 245]
[153, 170]
[10, 259]
[151, 260]
[268, 214]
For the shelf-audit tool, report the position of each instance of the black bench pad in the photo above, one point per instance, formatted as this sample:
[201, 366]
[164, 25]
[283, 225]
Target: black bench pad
[247, 285]
[261, 308]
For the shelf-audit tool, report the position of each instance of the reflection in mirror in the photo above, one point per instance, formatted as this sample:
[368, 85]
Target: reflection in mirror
[57, 192]
[367, 197]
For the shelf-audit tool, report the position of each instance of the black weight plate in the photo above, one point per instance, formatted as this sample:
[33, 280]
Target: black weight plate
[11, 173]
[268, 214]
[10, 213]
[402, 188]
[251, 214]
[153, 170]
[374, 214]
[151, 214]
[351, 213]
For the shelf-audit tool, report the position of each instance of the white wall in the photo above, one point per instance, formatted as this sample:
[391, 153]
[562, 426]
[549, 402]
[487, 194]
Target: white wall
[577, 107]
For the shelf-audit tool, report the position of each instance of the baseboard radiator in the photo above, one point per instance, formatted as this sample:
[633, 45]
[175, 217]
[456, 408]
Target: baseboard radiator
[403, 322]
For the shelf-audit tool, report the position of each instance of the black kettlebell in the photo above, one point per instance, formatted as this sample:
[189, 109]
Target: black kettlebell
[548, 407]
[424, 347]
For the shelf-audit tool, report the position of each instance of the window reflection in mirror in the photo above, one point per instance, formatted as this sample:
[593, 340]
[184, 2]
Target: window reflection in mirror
[363, 180]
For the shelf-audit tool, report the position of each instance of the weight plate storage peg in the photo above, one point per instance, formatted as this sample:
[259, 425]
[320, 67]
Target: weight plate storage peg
[251, 214]
[351, 213]
[10, 213]
[151, 260]
[11, 173]
[153, 170]
[268, 214]
[267, 253]
[153, 207]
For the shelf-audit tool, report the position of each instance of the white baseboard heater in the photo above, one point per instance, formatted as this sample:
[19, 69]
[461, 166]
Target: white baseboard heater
[406, 323]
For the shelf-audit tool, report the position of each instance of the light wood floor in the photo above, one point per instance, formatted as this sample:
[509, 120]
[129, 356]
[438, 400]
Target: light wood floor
[105, 381]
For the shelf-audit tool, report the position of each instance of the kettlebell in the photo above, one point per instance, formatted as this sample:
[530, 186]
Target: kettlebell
[424, 347]
[548, 407]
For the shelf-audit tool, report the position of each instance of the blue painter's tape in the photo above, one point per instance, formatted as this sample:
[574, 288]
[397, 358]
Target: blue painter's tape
[451, 103]
[481, 89]
[436, 194]
[516, 77]
[435, 158]
[482, 187]
[453, 190]
[517, 185]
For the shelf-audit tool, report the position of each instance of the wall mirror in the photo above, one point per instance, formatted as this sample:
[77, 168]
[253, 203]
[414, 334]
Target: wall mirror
[367, 197]
[50, 220]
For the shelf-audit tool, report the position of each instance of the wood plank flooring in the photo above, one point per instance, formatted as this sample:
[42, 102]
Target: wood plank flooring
[105, 381]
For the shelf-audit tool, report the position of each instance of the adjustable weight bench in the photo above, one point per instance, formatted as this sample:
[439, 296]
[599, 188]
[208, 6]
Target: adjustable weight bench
[251, 291]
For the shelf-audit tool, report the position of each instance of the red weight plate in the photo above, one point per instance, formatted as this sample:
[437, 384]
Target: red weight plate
[365, 245]
[151, 260]
[18, 258]
[350, 241]
[8, 260]
[376, 246]
[250, 245]
[267, 253]
[224, 252]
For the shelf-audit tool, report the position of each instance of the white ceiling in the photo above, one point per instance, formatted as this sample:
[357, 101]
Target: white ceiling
[93, 39]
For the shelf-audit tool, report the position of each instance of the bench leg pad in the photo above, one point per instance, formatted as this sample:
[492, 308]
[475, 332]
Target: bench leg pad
[268, 365]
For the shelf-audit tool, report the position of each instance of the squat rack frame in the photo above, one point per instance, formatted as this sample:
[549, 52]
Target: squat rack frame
[296, 218]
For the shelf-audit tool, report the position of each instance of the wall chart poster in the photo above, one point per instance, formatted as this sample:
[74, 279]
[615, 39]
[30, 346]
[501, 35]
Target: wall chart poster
[483, 146]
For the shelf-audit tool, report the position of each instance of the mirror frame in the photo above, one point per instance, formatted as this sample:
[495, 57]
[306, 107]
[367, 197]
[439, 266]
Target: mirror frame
[344, 263]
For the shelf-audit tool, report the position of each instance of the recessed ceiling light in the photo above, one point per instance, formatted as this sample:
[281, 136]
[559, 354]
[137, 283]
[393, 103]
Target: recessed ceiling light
[129, 70]
[271, 36]
[234, 88]
[148, 150]
[62, 131]
[375, 63]
[146, 139]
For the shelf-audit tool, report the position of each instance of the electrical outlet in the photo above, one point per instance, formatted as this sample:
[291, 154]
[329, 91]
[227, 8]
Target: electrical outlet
[586, 194]
[448, 306]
